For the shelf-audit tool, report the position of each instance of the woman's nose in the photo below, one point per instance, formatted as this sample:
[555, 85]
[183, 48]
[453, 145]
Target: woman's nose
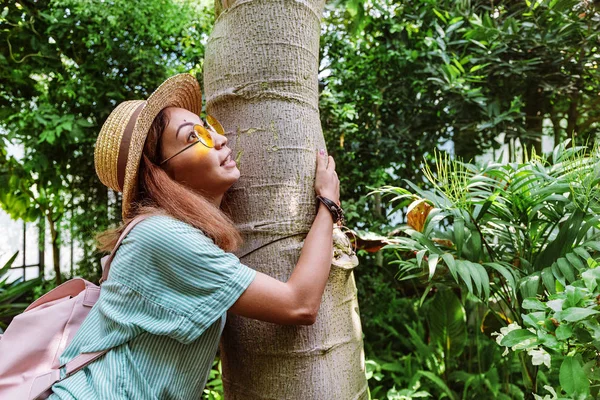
[220, 140]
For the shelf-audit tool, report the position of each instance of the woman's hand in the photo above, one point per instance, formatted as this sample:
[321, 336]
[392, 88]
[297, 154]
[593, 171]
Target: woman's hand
[327, 183]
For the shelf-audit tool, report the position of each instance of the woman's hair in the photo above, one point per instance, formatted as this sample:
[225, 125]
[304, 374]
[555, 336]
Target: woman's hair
[159, 194]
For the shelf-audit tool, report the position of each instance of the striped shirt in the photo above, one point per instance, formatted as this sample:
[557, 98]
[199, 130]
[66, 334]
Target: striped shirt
[161, 311]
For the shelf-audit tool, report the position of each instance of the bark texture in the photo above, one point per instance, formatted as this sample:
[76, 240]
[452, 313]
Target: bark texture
[260, 81]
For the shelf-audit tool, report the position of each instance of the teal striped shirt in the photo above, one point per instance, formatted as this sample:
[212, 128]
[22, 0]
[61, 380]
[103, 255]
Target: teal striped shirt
[162, 311]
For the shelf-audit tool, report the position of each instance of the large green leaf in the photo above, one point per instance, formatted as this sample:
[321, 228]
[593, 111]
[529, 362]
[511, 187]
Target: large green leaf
[573, 314]
[447, 321]
[573, 379]
[564, 241]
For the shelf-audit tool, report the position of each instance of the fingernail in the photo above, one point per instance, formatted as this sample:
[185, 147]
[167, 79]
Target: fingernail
[322, 152]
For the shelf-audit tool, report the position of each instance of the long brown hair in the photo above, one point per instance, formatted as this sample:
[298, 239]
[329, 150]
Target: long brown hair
[159, 194]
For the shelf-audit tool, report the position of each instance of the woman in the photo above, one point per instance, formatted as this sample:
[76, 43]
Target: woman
[163, 307]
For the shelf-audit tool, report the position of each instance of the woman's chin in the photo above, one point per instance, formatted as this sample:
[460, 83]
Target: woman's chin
[235, 173]
[232, 178]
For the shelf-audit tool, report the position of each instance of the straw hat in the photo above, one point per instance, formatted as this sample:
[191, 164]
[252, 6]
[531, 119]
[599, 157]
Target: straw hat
[121, 140]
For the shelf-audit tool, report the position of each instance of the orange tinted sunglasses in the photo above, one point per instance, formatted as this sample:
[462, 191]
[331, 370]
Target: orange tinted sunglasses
[202, 135]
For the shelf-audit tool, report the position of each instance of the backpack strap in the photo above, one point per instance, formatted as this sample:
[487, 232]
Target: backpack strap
[42, 384]
[107, 260]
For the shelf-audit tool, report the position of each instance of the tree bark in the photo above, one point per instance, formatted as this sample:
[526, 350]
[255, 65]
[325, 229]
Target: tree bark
[260, 78]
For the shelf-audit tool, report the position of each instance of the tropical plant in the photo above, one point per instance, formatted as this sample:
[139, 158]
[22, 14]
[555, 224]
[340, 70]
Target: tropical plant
[502, 232]
[562, 332]
[437, 350]
[11, 292]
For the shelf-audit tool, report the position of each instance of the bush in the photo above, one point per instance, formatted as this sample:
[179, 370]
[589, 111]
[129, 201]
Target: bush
[505, 238]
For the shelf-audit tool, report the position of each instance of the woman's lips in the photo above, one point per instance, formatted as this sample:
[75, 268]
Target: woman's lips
[228, 162]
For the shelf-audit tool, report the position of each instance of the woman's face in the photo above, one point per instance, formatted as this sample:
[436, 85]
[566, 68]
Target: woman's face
[210, 171]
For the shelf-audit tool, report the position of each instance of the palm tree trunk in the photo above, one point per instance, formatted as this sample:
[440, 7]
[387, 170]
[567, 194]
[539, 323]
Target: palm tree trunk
[260, 78]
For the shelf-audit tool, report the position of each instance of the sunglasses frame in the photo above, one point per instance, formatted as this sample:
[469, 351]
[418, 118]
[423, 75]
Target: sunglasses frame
[218, 129]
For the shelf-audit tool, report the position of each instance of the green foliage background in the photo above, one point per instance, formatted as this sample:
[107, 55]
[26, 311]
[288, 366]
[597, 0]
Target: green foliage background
[398, 80]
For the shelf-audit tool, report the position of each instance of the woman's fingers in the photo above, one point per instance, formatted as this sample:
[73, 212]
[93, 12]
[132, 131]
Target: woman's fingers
[327, 183]
[331, 165]
[321, 160]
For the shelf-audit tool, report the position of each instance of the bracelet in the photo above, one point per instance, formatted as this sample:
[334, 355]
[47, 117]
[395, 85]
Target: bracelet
[336, 211]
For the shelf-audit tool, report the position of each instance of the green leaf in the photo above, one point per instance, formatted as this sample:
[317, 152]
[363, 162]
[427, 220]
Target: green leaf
[574, 295]
[439, 383]
[548, 280]
[591, 278]
[14, 292]
[440, 16]
[420, 255]
[573, 314]
[533, 304]
[566, 269]
[394, 367]
[459, 234]
[448, 322]
[576, 261]
[432, 262]
[476, 68]
[556, 304]
[529, 286]
[517, 336]
[451, 264]
[504, 270]
[563, 332]
[480, 278]
[534, 319]
[463, 271]
[581, 252]
[572, 378]
[5, 269]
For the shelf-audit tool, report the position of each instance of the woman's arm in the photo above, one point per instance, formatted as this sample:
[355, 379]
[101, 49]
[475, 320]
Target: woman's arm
[297, 301]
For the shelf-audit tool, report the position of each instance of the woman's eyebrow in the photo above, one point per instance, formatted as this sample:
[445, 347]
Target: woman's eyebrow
[181, 126]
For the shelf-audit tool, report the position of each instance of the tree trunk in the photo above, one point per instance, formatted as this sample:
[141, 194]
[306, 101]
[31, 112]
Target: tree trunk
[573, 115]
[55, 249]
[555, 118]
[534, 119]
[260, 78]
[41, 246]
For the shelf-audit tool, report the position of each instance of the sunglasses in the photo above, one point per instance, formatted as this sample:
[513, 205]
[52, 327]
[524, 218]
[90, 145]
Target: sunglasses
[202, 135]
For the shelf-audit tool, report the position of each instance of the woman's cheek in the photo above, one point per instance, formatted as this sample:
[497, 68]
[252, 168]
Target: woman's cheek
[200, 150]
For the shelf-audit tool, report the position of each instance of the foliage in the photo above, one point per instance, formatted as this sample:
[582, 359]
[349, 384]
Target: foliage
[66, 65]
[214, 385]
[12, 292]
[406, 359]
[504, 233]
[534, 219]
[400, 79]
[562, 331]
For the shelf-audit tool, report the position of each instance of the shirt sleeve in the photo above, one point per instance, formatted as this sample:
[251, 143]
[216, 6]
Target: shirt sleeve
[179, 274]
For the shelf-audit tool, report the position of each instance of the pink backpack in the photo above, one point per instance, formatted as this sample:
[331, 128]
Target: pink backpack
[33, 342]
